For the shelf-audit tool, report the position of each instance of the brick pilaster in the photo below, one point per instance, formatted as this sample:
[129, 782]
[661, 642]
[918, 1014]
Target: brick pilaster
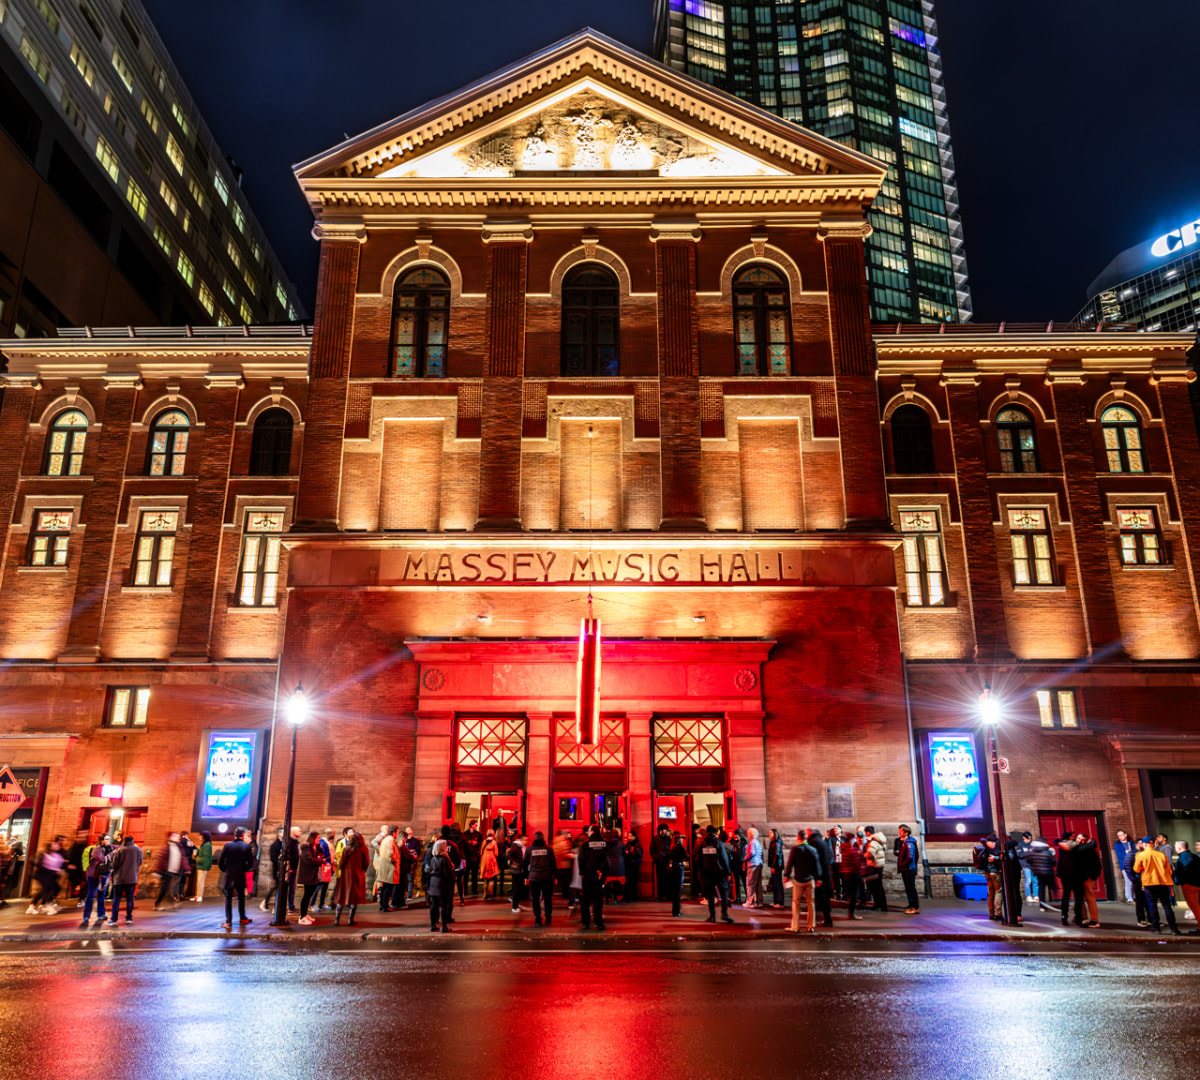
[16, 413]
[854, 369]
[206, 515]
[1184, 450]
[1085, 504]
[978, 520]
[101, 508]
[501, 422]
[329, 373]
[679, 381]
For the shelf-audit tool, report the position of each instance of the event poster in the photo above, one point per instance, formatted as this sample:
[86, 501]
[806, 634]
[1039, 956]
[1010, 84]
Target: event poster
[228, 786]
[954, 775]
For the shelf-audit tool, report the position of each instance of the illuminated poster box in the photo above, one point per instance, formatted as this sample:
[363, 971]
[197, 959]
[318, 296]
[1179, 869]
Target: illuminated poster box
[955, 797]
[228, 780]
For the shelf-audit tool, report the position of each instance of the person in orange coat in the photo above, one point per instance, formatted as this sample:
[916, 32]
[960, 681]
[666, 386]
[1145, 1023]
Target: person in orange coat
[1157, 882]
[491, 866]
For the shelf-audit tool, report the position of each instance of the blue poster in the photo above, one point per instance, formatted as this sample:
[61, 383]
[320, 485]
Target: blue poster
[229, 775]
[954, 771]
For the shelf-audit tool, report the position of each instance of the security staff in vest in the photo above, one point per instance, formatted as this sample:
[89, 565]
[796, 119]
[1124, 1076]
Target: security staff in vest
[593, 869]
[714, 874]
[540, 867]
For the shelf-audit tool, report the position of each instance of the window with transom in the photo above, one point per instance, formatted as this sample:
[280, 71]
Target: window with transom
[762, 321]
[1141, 542]
[50, 537]
[258, 584]
[689, 742]
[1056, 708]
[924, 566]
[608, 751]
[1015, 434]
[420, 322]
[271, 448]
[1033, 558]
[169, 443]
[1123, 440]
[912, 440]
[591, 321]
[64, 447]
[154, 548]
[491, 740]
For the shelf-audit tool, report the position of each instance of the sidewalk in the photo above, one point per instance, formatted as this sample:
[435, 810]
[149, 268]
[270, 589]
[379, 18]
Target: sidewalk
[939, 920]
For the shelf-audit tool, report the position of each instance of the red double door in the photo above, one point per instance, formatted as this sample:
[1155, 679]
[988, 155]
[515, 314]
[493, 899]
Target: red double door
[1054, 825]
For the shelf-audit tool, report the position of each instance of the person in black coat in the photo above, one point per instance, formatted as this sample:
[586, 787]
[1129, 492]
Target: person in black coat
[823, 885]
[236, 861]
[593, 869]
[441, 888]
[673, 875]
[633, 865]
[660, 847]
[1071, 879]
[713, 860]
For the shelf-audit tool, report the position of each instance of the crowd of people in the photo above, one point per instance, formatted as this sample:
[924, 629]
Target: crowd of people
[1151, 869]
[600, 866]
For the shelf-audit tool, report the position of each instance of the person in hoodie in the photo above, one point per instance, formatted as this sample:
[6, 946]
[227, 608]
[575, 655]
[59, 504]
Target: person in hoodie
[1071, 879]
[1087, 859]
[875, 854]
[1041, 862]
[1123, 852]
[540, 868]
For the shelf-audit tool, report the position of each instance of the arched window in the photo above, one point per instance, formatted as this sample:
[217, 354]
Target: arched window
[591, 321]
[420, 321]
[271, 450]
[762, 321]
[168, 443]
[1123, 440]
[64, 447]
[1015, 434]
[912, 440]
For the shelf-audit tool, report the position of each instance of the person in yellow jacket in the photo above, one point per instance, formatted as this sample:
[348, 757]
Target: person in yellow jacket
[1157, 882]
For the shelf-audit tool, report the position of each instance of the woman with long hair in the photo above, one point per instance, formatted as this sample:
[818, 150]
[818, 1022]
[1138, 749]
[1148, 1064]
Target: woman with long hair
[490, 868]
[309, 874]
[351, 887]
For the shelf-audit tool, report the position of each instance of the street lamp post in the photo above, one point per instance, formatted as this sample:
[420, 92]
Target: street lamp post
[989, 709]
[297, 713]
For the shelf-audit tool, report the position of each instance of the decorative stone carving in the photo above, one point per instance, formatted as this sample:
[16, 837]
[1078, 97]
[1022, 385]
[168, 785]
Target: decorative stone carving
[746, 680]
[434, 679]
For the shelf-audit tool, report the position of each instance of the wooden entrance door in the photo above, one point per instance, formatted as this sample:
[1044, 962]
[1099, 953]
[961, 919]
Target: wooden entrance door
[1056, 824]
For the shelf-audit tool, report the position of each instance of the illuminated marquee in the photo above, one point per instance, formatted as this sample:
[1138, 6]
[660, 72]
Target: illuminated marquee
[1176, 240]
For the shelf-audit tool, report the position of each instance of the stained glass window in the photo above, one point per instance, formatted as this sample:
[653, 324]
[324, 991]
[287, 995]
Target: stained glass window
[1141, 544]
[1033, 560]
[420, 322]
[924, 567]
[688, 742]
[1015, 434]
[762, 321]
[591, 321]
[271, 449]
[154, 548]
[259, 569]
[50, 538]
[127, 706]
[1123, 440]
[912, 440]
[169, 443]
[491, 740]
[64, 447]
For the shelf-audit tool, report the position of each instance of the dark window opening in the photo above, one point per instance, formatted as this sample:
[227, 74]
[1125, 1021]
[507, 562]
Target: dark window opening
[912, 440]
[591, 322]
[271, 450]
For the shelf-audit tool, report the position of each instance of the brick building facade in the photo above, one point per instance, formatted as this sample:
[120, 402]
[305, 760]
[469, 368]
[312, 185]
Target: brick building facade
[589, 332]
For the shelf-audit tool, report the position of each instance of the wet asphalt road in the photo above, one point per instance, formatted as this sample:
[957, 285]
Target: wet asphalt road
[167, 1010]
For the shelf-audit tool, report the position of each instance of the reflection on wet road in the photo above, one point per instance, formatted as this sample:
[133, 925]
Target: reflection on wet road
[611, 1011]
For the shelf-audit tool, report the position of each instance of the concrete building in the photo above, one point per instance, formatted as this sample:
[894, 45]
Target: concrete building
[593, 337]
[119, 207]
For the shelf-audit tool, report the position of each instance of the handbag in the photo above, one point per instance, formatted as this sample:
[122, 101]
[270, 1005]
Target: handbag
[326, 871]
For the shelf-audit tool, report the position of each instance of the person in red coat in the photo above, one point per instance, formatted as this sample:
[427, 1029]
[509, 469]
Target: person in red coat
[351, 887]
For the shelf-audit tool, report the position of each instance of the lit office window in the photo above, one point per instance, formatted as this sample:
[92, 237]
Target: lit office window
[1033, 562]
[924, 567]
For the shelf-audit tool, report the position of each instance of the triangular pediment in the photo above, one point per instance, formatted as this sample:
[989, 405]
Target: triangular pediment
[587, 106]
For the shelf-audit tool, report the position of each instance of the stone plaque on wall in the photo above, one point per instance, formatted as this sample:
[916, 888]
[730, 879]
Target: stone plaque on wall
[839, 801]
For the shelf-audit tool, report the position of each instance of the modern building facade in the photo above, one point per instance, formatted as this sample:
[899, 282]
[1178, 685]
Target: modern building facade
[867, 74]
[1153, 286]
[120, 208]
[593, 339]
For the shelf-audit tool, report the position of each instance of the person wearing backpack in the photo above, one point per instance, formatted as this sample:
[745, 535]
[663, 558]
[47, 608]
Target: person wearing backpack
[908, 861]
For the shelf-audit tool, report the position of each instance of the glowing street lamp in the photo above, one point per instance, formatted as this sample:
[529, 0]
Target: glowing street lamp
[992, 714]
[296, 712]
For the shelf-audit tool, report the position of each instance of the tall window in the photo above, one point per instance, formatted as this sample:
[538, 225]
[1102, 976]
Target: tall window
[420, 319]
[924, 567]
[912, 440]
[762, 321]
[1033, 561]
[1123, 440]
[169, 443]
[154, 549]
[126, 706]
[271, 450]
[50, 538]
[1015, 433]
[591, 321]
[64, 448]
[259, 583]
[1056, 708]
[1141, 544]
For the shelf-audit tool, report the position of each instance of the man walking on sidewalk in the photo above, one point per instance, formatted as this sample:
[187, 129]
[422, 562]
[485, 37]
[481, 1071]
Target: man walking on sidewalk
[714, 872]
[803, 867]
[236, 860]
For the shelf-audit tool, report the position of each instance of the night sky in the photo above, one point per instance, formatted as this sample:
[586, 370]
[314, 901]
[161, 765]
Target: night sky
[1074, 122]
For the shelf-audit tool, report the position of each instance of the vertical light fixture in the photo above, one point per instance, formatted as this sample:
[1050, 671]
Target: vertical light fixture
[587, 679]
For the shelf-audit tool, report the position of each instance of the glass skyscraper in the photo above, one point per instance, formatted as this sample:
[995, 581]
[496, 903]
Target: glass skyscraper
[867, 74]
